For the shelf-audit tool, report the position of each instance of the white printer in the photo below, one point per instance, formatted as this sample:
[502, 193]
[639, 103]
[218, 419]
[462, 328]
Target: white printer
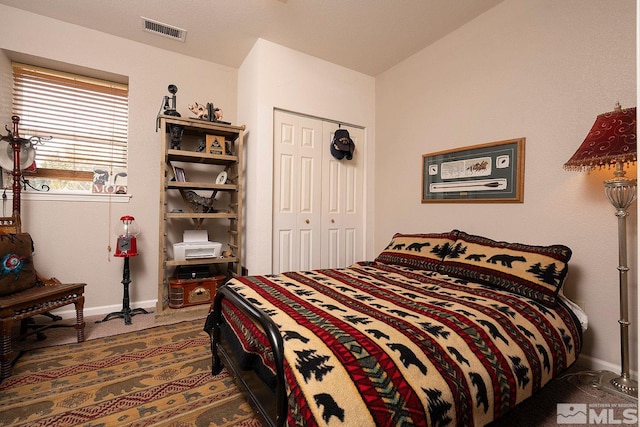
[195, 244]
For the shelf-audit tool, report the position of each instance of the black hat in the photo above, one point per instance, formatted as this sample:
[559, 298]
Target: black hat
[342, 145]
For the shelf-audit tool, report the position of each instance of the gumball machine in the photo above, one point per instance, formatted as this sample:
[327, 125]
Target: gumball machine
[126, 247]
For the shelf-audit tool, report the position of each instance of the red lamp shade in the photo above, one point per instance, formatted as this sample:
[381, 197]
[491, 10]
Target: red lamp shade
[612, 139]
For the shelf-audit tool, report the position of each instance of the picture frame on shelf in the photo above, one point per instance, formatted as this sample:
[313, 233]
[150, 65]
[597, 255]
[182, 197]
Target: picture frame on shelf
[179, 174]
[492, 172]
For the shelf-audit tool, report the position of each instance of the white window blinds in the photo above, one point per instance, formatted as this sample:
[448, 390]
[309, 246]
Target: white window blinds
[87, 119]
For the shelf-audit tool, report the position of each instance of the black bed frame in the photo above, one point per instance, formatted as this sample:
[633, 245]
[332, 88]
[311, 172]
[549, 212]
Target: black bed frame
[260, 396]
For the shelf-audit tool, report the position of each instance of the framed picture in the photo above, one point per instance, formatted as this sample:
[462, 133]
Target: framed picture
[215, 144]
[492, 172]
[179, 174]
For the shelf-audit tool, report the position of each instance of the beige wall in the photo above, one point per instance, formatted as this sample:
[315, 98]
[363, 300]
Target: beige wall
[541, 70]
[72, 236]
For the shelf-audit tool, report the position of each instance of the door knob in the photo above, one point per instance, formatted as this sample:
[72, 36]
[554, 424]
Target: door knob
[307, 221]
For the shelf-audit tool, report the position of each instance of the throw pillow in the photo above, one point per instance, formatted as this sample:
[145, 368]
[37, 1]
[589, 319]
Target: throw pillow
[420, 251]
[17, 271]
[536, 272]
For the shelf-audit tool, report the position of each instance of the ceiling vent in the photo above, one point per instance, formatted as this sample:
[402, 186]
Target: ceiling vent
[165, 30]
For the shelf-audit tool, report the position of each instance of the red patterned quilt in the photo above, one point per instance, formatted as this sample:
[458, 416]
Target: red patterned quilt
[379, 344]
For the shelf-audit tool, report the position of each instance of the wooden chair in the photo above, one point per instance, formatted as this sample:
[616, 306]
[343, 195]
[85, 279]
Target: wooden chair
[45, 295]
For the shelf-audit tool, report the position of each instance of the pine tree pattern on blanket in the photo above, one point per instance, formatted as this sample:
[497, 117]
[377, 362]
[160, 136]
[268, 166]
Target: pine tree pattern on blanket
[382, 344]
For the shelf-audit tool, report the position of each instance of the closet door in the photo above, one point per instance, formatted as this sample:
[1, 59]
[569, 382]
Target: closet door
[343, 201]
[297, 191]
[318, 216]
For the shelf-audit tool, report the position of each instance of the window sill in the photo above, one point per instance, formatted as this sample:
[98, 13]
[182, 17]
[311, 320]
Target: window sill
[71, 196]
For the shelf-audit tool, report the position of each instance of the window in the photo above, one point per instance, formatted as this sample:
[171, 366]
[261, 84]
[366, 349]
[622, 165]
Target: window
[86, 118]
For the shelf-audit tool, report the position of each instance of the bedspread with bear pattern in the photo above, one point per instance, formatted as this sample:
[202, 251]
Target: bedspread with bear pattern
[382, 344]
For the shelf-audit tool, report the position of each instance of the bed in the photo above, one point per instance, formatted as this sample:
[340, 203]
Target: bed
[440, 329]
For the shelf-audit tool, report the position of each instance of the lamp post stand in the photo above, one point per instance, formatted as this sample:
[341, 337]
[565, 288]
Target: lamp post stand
[621, 192]
[126, 313]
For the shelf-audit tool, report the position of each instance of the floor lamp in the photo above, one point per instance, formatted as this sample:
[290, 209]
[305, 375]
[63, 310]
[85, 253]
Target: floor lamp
[612, 141]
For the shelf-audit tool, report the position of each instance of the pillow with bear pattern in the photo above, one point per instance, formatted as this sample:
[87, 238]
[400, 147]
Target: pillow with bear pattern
[536, 272]
[419, 251]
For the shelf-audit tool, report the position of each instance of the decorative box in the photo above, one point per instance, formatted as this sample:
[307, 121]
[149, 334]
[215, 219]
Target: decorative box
[215, 144]
[188, 292]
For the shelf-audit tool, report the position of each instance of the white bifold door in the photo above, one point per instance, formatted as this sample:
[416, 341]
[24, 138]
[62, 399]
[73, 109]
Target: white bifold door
[318, 217]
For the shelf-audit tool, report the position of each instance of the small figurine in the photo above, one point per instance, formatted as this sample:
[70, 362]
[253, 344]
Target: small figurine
[201, 111]
[176, 136]
[201, 145]
[207, 112]
[215, 114]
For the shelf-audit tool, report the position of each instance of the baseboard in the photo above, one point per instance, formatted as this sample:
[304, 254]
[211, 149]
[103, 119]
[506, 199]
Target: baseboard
[69, 312]
[595, 364]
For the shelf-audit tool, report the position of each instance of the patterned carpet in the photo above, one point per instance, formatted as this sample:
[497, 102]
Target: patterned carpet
[153, 377]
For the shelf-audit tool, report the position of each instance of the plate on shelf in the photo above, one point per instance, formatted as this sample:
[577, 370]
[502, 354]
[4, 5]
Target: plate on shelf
[222, 178]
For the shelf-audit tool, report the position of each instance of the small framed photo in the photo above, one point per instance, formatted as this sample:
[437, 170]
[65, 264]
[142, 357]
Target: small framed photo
[215, 144]
[179, 174]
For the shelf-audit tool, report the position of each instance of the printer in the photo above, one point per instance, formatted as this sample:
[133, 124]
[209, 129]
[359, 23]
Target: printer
[195, 244]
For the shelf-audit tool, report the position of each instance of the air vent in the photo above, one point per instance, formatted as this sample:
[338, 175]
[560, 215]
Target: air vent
[165, 30]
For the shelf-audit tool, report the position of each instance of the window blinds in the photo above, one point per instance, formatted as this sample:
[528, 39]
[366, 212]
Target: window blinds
[87, 119]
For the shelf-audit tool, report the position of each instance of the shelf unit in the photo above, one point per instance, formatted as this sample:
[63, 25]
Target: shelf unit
[200, 201]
